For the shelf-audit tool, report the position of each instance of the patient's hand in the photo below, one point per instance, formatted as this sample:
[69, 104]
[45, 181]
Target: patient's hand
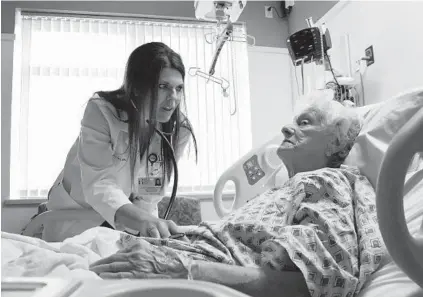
[142, 260]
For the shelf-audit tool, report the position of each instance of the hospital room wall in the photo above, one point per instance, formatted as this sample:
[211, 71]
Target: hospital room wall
[305, 9]
[394, 29]
[265, 90]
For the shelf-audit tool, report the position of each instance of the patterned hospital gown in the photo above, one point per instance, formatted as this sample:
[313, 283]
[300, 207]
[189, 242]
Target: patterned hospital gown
[322, 223]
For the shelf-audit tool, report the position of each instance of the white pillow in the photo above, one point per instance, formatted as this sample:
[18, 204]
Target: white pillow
[381, 122]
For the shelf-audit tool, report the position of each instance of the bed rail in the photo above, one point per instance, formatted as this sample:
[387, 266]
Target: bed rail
[406, 250]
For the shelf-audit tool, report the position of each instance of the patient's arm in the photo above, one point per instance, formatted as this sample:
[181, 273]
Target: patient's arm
[143, 260]
[252, 281]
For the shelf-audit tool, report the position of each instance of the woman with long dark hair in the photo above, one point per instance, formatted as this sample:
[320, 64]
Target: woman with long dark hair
[119, 166]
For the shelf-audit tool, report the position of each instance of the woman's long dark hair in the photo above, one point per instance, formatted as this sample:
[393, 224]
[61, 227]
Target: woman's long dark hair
[140, 85]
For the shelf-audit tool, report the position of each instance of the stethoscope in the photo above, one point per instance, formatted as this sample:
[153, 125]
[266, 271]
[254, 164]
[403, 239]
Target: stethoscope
[154, 158]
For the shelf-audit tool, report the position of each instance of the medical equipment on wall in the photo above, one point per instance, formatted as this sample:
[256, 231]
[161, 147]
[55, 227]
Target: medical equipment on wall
[311, 45]
[252, 175]
[225, 13]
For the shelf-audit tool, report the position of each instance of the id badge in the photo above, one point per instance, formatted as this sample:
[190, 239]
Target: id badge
[150, 186]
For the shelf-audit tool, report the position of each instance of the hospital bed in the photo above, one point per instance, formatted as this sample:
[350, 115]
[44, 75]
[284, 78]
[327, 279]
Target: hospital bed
[382, 121]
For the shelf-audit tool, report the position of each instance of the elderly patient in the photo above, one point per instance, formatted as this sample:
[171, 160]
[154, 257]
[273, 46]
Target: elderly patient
[315, 235]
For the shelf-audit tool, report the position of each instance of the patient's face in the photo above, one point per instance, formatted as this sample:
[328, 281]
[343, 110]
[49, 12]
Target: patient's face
[306, 139]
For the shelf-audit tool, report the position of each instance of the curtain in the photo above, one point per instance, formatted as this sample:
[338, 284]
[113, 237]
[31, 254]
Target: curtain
[65, 59]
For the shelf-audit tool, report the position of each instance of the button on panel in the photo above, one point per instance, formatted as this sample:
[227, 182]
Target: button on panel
[252, 170]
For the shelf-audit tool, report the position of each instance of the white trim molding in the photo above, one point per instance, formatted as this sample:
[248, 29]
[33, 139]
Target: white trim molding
[7, 37]
[24, 202]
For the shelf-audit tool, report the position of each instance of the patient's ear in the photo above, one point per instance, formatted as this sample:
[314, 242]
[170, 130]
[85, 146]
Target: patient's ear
[335, 160]
[343, 153]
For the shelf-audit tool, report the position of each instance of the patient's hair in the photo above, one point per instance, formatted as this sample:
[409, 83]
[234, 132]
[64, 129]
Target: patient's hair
[346, 127]
[344, 123]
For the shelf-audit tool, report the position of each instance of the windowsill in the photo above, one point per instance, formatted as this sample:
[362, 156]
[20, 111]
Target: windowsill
[24, 202]
[203, 196]
[36, 201]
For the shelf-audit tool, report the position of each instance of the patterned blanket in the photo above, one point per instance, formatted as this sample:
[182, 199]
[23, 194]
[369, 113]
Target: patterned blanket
[322, 223]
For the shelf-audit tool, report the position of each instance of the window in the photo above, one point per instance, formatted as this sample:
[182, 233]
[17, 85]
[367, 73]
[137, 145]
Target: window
[65, 59]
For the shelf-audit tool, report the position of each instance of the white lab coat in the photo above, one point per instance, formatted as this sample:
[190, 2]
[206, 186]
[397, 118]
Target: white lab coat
[96, 174]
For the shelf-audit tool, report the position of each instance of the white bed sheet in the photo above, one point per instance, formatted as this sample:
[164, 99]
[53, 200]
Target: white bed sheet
[23, 256]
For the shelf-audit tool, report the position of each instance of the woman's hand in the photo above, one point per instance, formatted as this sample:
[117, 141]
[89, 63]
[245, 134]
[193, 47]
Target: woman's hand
[148, 225]
[157, 228]
[142, 260]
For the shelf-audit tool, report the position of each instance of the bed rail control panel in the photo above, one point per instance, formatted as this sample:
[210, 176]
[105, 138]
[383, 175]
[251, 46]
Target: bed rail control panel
[252, 174]
[252, 170]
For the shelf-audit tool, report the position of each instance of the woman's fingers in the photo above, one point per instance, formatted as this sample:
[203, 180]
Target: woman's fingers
[163, 228]
[110, 259]
[152, 231]
[113, 267]
[160, 229]
[184, 238]
[173, 228]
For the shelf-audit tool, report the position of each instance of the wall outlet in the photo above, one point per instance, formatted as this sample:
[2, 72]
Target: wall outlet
[268, 12]
[370, 55]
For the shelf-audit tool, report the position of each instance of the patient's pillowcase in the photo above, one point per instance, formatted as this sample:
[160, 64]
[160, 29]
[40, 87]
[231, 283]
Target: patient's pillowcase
[381, 122]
